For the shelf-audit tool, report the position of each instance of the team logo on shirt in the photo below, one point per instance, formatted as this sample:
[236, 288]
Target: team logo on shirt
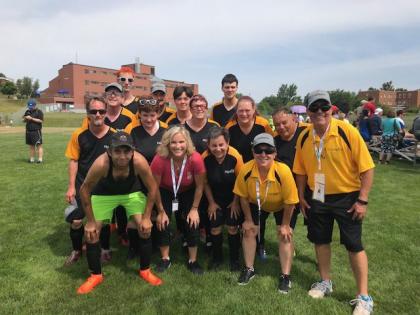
[231, 171]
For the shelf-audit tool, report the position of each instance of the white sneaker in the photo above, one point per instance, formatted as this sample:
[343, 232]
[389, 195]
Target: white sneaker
[320, 289]
[364, 306]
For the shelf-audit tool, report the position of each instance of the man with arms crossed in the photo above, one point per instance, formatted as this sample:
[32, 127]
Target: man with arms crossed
[328, 155]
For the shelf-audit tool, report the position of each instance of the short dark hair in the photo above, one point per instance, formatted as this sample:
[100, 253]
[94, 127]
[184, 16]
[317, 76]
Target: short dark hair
[198, 97]
[181, 89]
[148, 108]
[282, 109]
[216, 132]
[400, 112]
[390, 113]
[229, 78]
[90, 99]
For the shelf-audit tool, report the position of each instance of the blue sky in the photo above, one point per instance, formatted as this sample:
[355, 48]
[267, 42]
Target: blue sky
[350, 45]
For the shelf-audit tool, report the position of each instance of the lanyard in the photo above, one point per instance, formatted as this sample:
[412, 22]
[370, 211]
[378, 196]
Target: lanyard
[176, 186]
[318, 150]
[257, 190]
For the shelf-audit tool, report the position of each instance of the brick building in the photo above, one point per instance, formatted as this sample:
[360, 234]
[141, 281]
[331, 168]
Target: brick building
[402, 99]
[75, 81]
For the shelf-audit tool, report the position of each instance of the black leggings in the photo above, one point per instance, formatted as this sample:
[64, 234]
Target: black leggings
[185, 200]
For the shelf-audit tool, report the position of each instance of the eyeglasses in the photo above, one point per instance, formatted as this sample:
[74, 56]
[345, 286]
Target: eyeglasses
[316, 106]
[147, 102]
[199, 107]
[113, 93]
[95, 111]
[122, 79]
[266, 150]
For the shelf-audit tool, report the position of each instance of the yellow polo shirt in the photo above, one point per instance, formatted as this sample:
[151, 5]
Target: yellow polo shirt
[281, 190]
[344, 157]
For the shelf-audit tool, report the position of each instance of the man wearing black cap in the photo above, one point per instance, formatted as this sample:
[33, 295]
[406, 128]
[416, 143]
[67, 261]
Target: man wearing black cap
[85, 145]
[266, 186]
[34, 118]
[333, 160]
[117, 178]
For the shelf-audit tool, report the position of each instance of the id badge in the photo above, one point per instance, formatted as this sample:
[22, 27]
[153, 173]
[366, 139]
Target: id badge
[319, 191]
[174, 205]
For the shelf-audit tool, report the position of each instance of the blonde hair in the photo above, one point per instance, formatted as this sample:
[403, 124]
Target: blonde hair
[163, 148]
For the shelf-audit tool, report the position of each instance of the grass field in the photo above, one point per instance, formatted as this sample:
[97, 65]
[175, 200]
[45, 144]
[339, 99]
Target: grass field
[34, 242]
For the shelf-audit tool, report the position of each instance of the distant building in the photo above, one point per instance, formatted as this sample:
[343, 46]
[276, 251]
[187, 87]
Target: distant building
[401, 99]
[75, 81]
[4, 80]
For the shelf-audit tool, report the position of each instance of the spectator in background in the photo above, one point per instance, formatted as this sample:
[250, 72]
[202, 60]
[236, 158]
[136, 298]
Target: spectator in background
[370, 106]
[415, 129]
[375, 124]
[34, 118]
[389, 141]
[364, 127]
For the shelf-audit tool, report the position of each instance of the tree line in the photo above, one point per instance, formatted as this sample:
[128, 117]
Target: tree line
[24, 88]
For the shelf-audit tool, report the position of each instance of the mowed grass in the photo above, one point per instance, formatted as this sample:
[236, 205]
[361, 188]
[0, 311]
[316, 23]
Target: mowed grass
[34, 242]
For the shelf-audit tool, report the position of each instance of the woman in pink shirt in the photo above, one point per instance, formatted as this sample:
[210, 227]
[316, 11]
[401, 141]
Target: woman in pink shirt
[179, 172]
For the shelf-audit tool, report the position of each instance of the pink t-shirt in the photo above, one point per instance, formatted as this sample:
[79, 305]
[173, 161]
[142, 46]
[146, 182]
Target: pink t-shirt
[162, 166]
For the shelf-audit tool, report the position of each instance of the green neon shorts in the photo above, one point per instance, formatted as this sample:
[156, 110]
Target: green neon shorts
[103, 206]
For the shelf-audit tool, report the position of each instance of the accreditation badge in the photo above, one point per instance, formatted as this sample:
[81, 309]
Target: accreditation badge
[319, 191]
[174, 205]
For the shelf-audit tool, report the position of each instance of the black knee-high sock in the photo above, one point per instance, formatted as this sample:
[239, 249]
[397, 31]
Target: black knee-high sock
[145, 249]
[105, 236]
[93, 254]
[76, 237]
[121, 218]
[133, 237]
[217, 241]
[234, 242]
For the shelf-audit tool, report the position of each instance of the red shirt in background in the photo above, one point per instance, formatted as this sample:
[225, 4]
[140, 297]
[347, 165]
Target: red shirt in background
[370, 106]
[162, 167]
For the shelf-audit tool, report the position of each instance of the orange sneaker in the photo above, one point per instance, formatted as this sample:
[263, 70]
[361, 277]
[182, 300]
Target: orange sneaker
[149, 277]
[90, 284]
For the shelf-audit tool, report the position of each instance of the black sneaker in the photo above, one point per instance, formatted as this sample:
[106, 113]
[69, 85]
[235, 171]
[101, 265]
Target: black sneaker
[163, 265]
[195, 268]
[246, 275]
[234, 266]
[284, 284]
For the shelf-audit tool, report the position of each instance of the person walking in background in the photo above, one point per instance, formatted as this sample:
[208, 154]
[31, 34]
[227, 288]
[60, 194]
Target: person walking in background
[389, 141]
[34, 118]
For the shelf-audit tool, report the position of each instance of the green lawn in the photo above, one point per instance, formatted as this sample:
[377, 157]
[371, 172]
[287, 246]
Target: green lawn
[34, 242]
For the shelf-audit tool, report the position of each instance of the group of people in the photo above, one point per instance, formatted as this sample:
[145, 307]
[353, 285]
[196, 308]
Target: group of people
[141, 164]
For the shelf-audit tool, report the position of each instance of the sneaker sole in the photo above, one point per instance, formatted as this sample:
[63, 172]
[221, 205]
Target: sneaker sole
[245, 283]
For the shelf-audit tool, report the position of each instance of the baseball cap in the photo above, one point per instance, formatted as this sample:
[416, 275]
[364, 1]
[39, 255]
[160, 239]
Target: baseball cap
[121, 139]
[318, 95]
[378, 111]
[31, 103]
[115, 86]
[158, 86]
[263, 138]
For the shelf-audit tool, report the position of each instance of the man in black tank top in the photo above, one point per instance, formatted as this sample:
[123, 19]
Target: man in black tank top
[117, 178]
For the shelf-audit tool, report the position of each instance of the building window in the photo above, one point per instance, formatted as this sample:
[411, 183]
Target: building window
[87, 82]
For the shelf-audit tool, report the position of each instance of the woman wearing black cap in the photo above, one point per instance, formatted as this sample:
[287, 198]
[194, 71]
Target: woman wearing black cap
[265, 185]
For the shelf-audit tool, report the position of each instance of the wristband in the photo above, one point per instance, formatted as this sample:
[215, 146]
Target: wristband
[362, 202]
[194, 207]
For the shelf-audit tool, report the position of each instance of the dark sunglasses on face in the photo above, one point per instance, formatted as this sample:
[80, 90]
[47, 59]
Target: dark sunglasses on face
[316, 106]
[95, 111]
[148, 102]
[266, 150]
[122, 79]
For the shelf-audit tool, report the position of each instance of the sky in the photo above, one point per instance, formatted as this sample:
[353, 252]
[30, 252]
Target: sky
[350, 45]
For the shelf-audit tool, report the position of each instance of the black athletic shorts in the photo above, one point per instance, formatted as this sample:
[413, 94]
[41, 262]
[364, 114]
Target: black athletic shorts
[78, 213]
[34, 137]
[223, 216]
[321, 218]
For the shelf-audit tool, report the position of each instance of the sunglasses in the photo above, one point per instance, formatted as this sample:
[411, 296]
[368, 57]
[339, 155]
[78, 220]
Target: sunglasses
[113, 93]
[95, 111]
[148, 102]
[266, 150]
[122, 79]
[316, 106]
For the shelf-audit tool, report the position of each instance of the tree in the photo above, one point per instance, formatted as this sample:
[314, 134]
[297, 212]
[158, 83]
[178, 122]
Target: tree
[344, 100]
[26, 87]
[8, 88]
[372, 89]
[286, 96]
[2, 75]
[35, 88]
[401, 90]
[388, 86]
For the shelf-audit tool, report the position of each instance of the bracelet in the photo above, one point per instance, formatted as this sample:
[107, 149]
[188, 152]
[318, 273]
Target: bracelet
[362, 202]
[194, 207]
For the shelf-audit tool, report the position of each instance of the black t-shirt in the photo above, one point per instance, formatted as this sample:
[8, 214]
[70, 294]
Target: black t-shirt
[199, 138]
[133, 106]
[167, 112]
[120, 123]
[145, 143]
[34, 113]
[221, 115]
[85, 147]
[286, 149]
[221, 177]
[173, 120]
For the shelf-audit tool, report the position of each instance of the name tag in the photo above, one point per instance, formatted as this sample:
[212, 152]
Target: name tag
[319, 190]
[174, 205]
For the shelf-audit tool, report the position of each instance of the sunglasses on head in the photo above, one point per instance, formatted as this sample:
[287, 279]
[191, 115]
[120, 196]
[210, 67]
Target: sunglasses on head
[147, 102]
[122, 79]
[266, 150]
[95, 111]
[316, 106]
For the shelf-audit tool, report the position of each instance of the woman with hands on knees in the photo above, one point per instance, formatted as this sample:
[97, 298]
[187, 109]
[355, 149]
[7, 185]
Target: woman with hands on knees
[180, 173]
[224, 162]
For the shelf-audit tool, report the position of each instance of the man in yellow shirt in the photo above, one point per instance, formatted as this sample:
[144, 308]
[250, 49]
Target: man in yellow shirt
[332, 158]
[266, 186]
